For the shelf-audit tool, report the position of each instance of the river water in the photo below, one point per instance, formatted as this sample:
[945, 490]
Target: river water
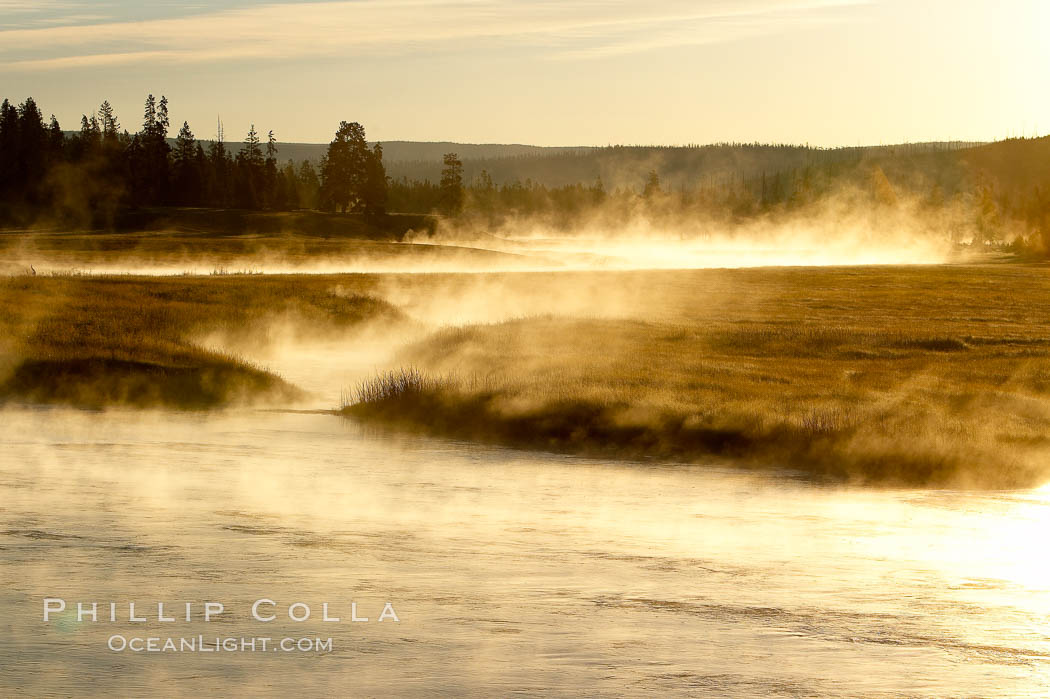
[509, 572]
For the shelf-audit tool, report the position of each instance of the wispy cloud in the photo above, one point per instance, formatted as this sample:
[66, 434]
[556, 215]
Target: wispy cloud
[33, 5]
[563, 29]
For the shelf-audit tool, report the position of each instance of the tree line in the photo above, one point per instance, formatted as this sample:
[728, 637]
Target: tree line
[88, 176]
[1001, 191]
[995, 195]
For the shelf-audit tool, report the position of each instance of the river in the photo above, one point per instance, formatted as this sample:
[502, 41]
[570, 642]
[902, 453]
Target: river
[509, 572]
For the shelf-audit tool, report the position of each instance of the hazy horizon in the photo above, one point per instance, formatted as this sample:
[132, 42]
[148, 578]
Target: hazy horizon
[230, 139]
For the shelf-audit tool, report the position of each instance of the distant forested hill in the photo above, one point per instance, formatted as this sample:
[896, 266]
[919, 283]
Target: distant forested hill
[616, 166]
[677, 166]
[621, 166]
[1015, 164]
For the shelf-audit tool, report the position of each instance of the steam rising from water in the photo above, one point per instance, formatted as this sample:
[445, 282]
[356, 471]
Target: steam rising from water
[723, 252]
[593, 576]
[838, 234]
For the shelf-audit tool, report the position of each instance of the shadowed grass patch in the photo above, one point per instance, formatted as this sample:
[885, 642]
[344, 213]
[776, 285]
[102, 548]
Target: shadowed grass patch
[132, 341]
[97, 382]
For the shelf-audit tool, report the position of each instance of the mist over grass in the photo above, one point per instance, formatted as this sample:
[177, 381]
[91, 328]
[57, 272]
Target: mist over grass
[845, 226]
[899, 375]
[876, 375]
[202, 241]
[138, 342]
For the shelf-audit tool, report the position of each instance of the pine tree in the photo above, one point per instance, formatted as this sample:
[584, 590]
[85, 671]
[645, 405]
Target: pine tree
[452, 185]
[271, 146]
[89, 138]
[374, 187]
[218, 183]
[149, 119]
[652, 185]
[248, 173]
[187, 168]
[8, 149]
[162, 117]
[55, 139]
[185, 145]
[344, 169]
[148, 158]
[108, 121]
[31, 152]
[251, 151]
[273, 195]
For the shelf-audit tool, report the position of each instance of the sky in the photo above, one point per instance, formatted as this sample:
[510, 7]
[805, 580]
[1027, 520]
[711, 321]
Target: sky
[545, 72]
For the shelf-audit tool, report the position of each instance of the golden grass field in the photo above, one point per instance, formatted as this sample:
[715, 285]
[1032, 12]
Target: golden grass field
[902, 375]
[892, 375]
[203, 252]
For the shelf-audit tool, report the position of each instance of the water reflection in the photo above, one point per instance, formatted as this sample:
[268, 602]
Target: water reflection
[509, 571]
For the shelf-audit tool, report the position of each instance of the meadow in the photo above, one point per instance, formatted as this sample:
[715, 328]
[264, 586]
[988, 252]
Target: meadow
[902, 375]
[893, 375]
[190, 242]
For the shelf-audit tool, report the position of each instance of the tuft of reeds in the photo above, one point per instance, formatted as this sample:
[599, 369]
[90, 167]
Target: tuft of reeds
[398, 385]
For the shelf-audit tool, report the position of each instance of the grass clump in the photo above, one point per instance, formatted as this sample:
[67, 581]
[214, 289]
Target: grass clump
[395, 387]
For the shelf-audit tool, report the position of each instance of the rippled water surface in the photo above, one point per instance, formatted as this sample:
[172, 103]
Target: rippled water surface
[509, 571]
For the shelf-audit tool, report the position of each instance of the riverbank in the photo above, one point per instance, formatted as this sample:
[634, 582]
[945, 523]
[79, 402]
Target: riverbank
[203, 241]
[391, 227]
[895, 375]
[905, 375]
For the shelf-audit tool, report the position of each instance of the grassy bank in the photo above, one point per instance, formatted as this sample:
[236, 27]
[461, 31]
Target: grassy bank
[388, 227]
[95, 342]
[936, 376]
[893, 375]
[200, 241]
